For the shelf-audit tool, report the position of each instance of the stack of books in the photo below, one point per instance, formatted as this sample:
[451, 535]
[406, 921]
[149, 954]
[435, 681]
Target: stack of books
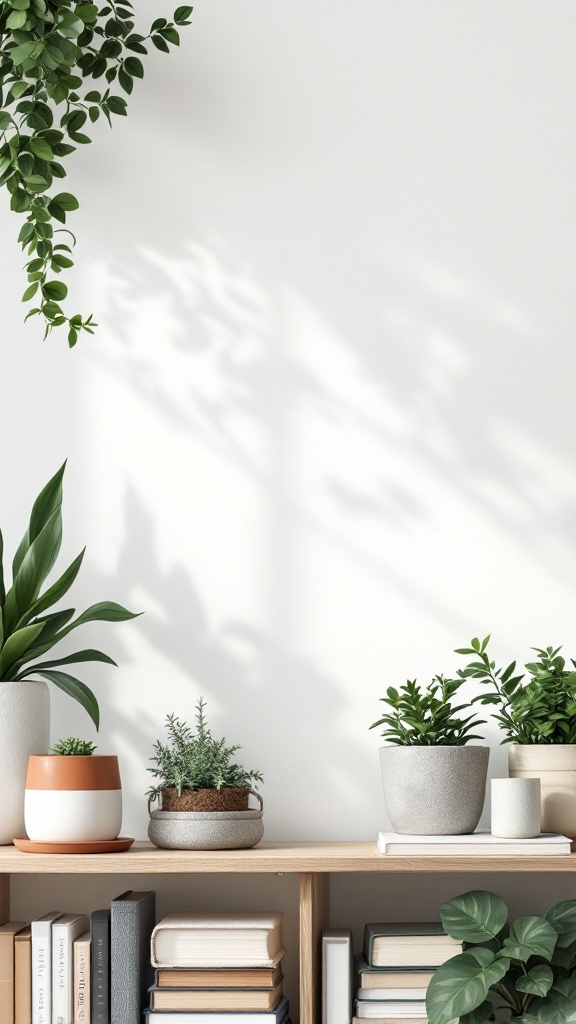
[218, 969]
[478, 844]
[75, 969]
[396, 968]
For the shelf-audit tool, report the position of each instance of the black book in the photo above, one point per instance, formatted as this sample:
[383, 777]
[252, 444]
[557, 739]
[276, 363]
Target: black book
[100, 966]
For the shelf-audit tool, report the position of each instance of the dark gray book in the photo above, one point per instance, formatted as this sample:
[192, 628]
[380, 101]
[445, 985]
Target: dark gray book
[133, 916]
[100, 967]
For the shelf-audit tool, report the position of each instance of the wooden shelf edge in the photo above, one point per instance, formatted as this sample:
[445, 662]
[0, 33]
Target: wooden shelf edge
[270, 858]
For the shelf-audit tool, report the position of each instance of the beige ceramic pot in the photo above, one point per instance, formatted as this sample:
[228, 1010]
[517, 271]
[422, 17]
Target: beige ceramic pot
[555, 765]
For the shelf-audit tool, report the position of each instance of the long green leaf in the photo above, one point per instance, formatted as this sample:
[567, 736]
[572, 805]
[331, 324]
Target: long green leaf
[79, 691]
[72, 659]
[15, 647]
[461, 984]
[58, 589]
[49, 636]
[105, 611]
[49, 499]
[474, 916]
[38, 562]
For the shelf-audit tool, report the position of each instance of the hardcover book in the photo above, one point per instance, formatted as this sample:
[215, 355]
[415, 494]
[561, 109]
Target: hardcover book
[100, 966]
[132, 920]
[408, 945]
[277, 1016]
[478, 844]
[82, 979]
[391, 1010]
[64, 931]
[23, 976]
[42, 967]
[219, 977]
[388, 977]
[336, 976]
[206, 1001]
[215, 940]
[7, 942]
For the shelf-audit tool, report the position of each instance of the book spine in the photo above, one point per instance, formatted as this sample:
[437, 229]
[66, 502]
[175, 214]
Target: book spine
[23, 978]
[100, 969]
[61, 975]
[131, 925]
[41, 972]
[82, 981]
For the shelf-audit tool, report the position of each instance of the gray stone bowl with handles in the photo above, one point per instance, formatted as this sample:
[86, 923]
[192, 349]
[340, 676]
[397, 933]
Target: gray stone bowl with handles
[207, 830]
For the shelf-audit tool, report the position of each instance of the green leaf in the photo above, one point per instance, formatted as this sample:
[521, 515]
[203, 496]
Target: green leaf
[537, 982]
[134, 67]
[15, 646]
[16, 20]
[21, 53]
[474, 916]
[66, 201]
[105, 611]
[30, 292]
[562, 917]
[74, 688]
[58, 589]
[530, 936]
[481, 1015]
[5, 120]
[55, 290]
[462, 984]
[73, 659]
[38, 562]
[182, 14]
[49, 499]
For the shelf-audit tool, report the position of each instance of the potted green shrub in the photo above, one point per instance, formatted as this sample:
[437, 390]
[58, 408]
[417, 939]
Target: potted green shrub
[29, 630]
[527, 967]
[204, 792]
[538, 717]
[73, 795]
[434, 783]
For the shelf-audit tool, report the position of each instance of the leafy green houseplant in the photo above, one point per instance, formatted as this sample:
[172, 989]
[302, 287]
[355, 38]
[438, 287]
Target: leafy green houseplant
[434, 782]
[194, 771]
[28, 629]
[537, 715]
[527, 967]
[61, 65]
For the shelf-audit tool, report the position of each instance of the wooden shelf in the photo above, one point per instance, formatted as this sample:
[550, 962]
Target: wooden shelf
[313, 862]
[270, 858]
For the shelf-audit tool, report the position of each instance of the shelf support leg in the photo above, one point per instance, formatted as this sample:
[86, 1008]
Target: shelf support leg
[4, 898]
[313, 919]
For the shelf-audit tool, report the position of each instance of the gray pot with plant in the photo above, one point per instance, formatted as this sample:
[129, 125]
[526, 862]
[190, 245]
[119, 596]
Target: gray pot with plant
[204, 793]
[434, 783]
[29, 630]
[538, 718]
[527, 968]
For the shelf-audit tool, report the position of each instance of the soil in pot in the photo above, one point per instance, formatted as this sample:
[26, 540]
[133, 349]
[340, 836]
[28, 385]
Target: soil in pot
[231, 799]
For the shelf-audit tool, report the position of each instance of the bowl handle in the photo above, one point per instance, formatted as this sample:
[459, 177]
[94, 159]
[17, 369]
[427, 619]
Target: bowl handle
[151, 801]
[258, 797]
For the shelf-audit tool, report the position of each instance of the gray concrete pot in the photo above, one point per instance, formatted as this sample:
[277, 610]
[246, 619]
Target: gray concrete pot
[434, 791]
[207, 830]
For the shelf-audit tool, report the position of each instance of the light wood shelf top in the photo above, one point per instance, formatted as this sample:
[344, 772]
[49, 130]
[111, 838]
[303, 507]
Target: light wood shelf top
[268, 858]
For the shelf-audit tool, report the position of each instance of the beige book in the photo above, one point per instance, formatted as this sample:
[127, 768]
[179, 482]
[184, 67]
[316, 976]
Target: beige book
[202, 1001]
[82, 979]
[23, 976]
[217, 940]
[395, 979]
[8, 933]
[257, 977]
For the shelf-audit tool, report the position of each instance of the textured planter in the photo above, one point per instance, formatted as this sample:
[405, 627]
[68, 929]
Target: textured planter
[434, 791]
[231, 799]
[555, 765]
[207, 830]
[24, 730]
[73, 799]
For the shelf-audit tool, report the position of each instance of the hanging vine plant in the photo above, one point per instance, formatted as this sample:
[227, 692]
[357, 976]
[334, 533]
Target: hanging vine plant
[60, 65]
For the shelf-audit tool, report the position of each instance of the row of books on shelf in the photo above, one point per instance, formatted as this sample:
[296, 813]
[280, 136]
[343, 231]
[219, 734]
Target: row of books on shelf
[387, 983]
[118, 965]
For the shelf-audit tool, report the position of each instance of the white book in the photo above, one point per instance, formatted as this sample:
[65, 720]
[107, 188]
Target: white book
[392, 993]
[477, 844]
[391, 1011]
[82, 979]
[216, 940]
[42, 968]
[336, 976]
[64, 931]
[277, 1016]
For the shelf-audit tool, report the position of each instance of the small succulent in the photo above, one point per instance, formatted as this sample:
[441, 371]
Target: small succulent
[196, 761]
[73, 747]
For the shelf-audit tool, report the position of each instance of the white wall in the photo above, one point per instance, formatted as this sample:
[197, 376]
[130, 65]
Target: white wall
[325, 431]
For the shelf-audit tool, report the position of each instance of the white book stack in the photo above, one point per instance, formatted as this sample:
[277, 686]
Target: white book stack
[478, 844]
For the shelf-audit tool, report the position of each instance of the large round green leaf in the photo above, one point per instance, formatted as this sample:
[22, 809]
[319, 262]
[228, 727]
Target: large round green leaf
[537, 982]
[562, 917]
[530, 936]
[461, 984]
[474, 916]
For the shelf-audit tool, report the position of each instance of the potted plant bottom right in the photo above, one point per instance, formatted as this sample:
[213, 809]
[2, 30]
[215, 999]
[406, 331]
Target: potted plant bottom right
[204, 795]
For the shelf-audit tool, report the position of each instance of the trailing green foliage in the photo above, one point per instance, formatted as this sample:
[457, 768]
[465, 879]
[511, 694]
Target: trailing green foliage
[527, 968]
[427, 717]
[543, 710]
[196, 761]
[52, 52]
[73, 747]
[27, 629]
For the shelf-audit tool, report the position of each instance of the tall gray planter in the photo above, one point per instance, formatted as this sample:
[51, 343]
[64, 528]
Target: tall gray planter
[434, 791]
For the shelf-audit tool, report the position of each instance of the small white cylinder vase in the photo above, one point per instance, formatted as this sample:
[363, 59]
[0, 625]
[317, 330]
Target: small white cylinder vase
[516, 808]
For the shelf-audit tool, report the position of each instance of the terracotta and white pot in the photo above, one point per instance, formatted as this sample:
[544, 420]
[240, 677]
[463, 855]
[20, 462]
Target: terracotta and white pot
[72, 799]
[24, 730]
[555, 765]
[434, 791]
